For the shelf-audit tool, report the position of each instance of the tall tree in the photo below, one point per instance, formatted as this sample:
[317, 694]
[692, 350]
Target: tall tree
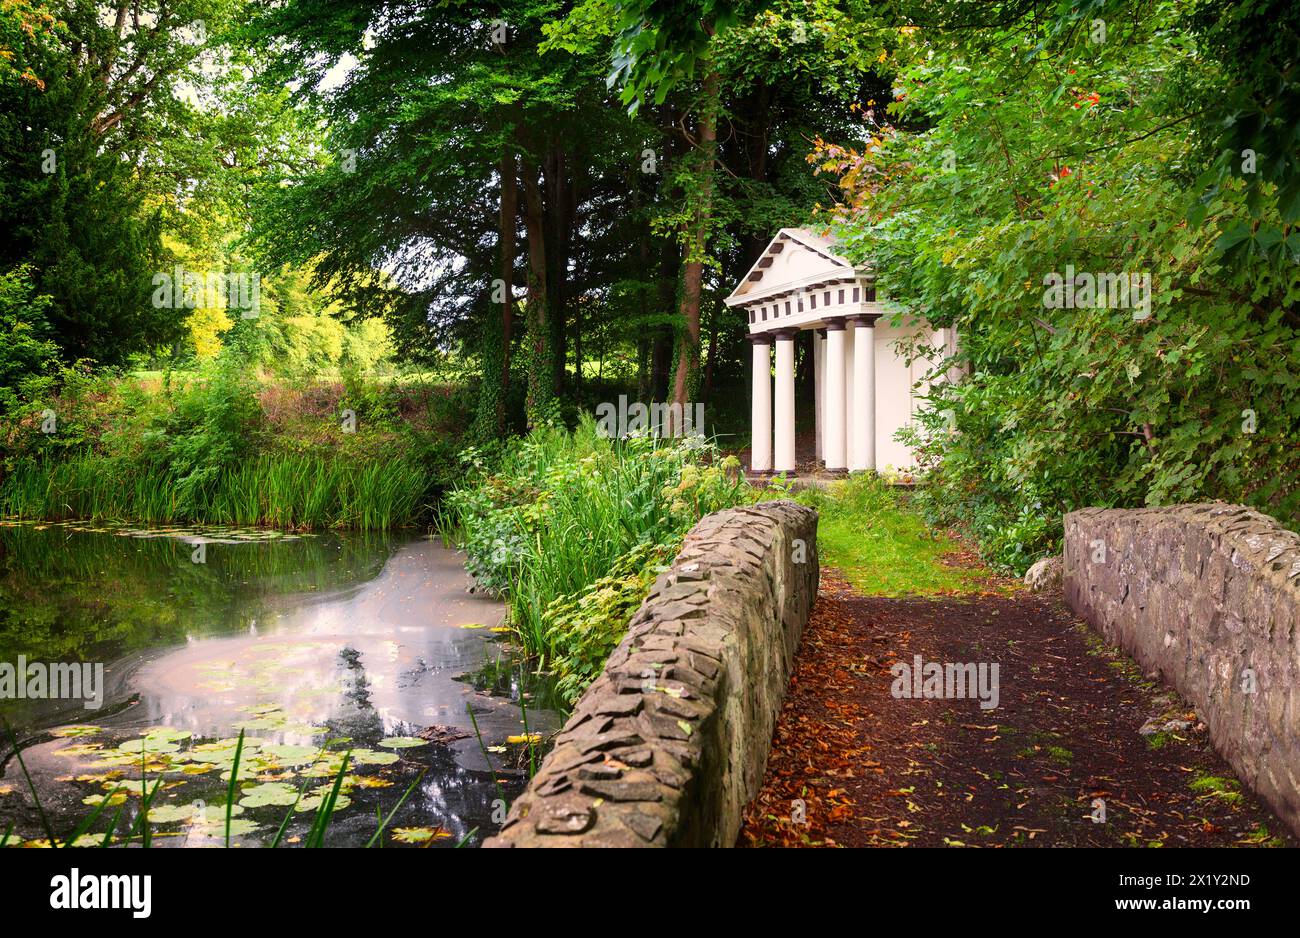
[97, 124]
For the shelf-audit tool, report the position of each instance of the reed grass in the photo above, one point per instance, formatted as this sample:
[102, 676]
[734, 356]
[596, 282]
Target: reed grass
[300, 492]
[556, 511]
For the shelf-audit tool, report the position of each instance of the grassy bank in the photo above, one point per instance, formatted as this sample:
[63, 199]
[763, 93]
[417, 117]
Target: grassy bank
[230, 445]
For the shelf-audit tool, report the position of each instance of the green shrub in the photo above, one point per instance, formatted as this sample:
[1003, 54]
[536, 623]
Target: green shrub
[587, 626]
[212, 428]
[553, 521]
[28, 354]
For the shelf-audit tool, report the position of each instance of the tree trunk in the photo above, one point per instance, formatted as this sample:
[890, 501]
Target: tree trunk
[555, 207]
[661, 354]
[706, 396]
[506, 239]
[688, 346]
[541, 385]
[644, 379]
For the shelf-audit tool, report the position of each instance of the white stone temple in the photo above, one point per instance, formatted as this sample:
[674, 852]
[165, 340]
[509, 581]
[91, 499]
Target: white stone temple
[865, 390]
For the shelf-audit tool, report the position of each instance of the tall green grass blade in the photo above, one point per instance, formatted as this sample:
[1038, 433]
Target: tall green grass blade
[89, 821]
[234, 783]
[284, 825]
[483, 748]
[325, 813]
[400, 802]
[532, 752]
[40, 811]
[112, 826]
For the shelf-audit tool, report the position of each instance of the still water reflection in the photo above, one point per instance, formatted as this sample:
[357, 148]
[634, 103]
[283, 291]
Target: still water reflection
[312, 646]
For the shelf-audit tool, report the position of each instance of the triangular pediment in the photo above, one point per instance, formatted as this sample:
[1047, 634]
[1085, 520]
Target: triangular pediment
[795, 256]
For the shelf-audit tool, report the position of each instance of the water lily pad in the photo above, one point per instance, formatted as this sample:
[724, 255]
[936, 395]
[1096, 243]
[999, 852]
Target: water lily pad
[226, 746]
[370, 781]
[268, 793]
[138, 786]
[115, 758]
[215, 814]
[114, 799]
[261, 723]
[312, 802]
[286, 754]
[148, 744]
[260, 709]
[166, 734]
[70, 732]
[370, 757]
[419, 835]
[81, 749]
[321, 770]
[403, 742]
[170, 813]
[217, 828]
[85, 840]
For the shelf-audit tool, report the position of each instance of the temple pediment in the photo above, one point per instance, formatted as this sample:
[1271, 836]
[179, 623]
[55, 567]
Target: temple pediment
[795, 258]
[799, 282]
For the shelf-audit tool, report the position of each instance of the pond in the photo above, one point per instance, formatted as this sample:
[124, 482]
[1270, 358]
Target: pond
[311, 645]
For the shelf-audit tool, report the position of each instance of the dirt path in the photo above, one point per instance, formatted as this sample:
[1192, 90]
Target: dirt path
[873, 770]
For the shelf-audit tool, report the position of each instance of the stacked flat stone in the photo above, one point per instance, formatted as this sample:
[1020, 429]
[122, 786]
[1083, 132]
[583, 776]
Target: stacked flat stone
[669, 744]
[1209, 596]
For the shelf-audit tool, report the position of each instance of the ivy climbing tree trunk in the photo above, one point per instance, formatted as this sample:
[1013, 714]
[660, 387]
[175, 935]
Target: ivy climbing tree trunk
[494, 349]
[506, 238]
[686, 379]
[541, 374]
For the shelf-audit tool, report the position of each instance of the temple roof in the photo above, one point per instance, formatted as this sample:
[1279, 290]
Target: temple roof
[795, 259]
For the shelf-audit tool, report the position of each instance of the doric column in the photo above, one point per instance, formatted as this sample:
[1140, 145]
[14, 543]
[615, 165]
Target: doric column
[850, 399]
[864, 392]
[760, 420]
[833, 425]
[784, 420]
[819, 405]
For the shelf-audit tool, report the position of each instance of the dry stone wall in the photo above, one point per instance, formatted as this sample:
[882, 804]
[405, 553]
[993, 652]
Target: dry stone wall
[1208, 596]
[668, 746]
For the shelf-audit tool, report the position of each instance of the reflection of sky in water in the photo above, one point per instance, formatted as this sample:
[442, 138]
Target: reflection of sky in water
[363, 659]
[379, 659]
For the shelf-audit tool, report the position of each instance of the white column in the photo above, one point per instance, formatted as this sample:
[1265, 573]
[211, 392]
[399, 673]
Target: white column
[760, 453]
[784, 421]
[818, 404]
[864, 386]
[833, 394]
[850, 399]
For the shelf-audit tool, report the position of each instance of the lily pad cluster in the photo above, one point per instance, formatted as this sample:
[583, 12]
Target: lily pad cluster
[272, 774]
